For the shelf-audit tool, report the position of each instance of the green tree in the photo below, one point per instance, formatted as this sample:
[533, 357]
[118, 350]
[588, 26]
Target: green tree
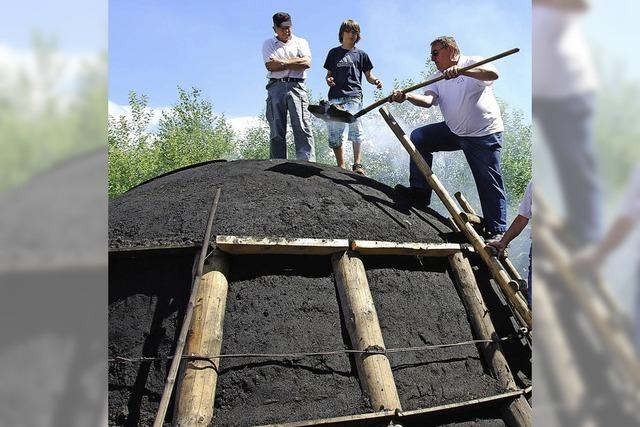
[188, 132]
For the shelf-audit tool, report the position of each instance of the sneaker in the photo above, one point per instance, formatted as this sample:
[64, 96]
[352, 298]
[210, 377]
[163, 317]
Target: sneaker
[357, 168]
[417, 195]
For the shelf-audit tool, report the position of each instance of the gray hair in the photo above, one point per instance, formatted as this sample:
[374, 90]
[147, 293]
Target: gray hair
[447, 41]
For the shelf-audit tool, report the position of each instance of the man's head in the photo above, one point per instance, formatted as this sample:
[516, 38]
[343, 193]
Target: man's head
[282, 25]
[352, 28]
[444, 52]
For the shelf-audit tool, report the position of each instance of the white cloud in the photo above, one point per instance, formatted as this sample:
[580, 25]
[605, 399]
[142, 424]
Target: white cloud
[29, 79]
[239, 124]
[116, 110]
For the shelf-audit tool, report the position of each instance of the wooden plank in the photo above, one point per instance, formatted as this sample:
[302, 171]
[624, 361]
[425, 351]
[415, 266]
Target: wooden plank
[361, 318]
[154, 248]
[370, 247]
[507, 285]
[385, 416]
[196, 392]
[517, 412]
[247, 245]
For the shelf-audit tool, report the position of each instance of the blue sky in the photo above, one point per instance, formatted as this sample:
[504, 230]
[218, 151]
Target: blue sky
[216, 46]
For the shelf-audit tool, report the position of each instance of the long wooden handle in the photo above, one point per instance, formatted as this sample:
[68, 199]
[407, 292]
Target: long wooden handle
[437, 79]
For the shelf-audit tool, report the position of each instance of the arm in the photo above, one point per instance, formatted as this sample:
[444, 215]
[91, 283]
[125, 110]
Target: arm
[297, 64]
[595, 255]
[373, 79]
[329, 79]
[516, 227]
[426, 100]
[483, 74]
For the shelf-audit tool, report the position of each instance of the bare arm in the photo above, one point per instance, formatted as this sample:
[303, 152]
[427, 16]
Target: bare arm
[329, 79]
[594, 256]
[516, 227]
[297, 64]
[373, 79]
[479, 73]
[425, 100]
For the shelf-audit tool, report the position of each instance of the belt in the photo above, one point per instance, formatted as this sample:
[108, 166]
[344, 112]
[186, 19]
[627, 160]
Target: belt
[288, 79]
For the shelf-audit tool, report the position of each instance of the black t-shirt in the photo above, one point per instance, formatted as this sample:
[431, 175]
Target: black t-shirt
[347, 67]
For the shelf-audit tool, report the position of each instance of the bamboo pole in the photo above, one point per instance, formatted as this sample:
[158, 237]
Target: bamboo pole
[464, 203]
[361, 318]
[471, 218]
[197, 389]
[509, 287]
[186, 322]
[518, 411]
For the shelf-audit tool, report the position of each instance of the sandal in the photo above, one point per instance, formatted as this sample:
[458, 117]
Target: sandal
[357, 168]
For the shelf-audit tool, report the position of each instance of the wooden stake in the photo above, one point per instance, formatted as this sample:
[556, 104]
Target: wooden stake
[196, 393]
[515, 298]
[362, 323]
[186, 322]
[517, 412]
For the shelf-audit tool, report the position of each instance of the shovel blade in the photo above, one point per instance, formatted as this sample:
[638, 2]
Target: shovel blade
[331, 113]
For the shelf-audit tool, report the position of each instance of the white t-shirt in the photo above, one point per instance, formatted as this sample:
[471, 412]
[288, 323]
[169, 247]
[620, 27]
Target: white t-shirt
[297, 47]
[562, 65]
[467, 104]
[525, 204]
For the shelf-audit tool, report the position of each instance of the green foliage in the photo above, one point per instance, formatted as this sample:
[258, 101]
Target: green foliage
[42, 123]
[617, 131]
[187, 133]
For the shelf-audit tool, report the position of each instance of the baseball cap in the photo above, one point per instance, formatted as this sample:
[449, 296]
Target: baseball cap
[282, 19]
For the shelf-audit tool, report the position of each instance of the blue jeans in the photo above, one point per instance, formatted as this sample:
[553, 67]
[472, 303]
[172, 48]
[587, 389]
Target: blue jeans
[483, 156]
[567, 125]
[291, 97]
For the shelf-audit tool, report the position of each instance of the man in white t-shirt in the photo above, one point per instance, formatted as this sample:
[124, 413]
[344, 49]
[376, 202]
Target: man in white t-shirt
[287, 57]
[472, 123]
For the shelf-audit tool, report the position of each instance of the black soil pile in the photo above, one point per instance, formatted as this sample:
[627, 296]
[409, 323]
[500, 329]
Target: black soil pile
[280, 304]
[418, 305]
[147, 299]
[284, 304]
[271, 198]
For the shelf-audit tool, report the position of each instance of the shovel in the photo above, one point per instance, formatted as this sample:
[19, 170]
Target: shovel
[333, 113]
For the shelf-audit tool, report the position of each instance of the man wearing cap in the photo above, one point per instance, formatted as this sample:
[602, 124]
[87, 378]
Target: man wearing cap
[287, 57]
[472, 123]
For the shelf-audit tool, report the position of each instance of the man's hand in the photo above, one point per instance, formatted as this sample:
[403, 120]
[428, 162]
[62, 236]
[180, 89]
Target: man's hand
[276, 64]
[451, 72]
[500, 246]
[330, 82]
[378, 84]
[398, 96]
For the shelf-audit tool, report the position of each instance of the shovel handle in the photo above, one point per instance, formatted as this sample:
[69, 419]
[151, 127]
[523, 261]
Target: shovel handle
[437, 79]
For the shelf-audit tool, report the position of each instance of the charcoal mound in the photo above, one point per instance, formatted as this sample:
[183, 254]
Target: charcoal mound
[282, 304]
[270, 198]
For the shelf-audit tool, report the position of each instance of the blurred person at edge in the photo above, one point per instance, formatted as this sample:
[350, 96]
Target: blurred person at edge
[287, 58]
[593, 257]
[563, 91]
